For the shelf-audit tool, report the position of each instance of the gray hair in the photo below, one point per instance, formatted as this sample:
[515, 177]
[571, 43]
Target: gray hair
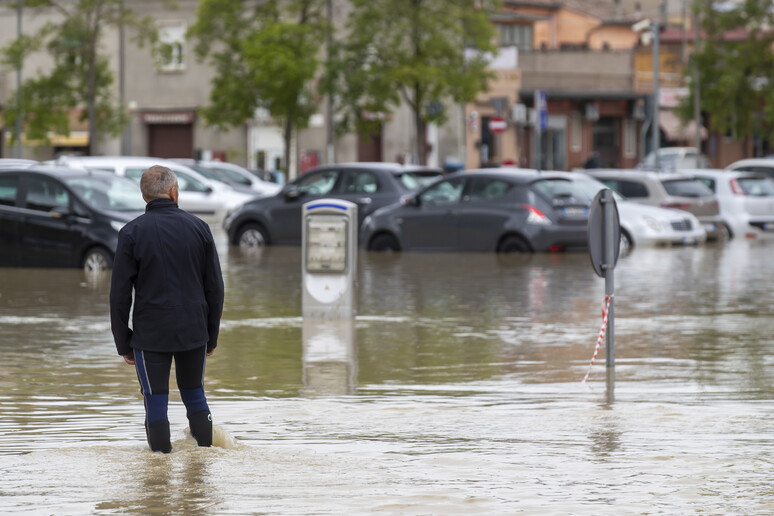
[156, 182]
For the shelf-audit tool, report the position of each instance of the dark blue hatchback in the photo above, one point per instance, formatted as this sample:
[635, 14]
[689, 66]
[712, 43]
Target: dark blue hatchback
[63, 217]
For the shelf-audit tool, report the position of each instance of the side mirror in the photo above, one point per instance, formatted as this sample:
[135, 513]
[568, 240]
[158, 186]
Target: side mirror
[292, 192]
[208, 190]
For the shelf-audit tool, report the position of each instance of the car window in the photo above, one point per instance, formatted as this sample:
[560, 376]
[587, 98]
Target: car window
[208, 173]
[558, 188]
[188, 183]
[359, 182]
[629, 189]
[9, 185]
[711, 184]
[486, 189]
[45, 194]
[318, 183]
[102, 169]
[108, 193]
[233, 176]
[417, 180]
[686, 188]
[761, 186]
[134, 173]
[443, 193]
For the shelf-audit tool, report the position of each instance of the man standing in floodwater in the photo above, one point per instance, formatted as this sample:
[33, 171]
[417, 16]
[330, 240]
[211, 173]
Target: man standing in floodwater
[168, 257]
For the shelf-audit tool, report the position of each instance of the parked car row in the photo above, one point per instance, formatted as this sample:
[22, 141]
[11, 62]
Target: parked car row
[69, 212]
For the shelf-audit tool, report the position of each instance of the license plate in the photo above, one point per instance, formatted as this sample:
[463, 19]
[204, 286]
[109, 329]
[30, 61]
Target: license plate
[574, 211]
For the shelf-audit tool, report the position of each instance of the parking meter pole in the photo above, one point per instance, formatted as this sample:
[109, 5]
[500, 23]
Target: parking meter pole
[610, 259]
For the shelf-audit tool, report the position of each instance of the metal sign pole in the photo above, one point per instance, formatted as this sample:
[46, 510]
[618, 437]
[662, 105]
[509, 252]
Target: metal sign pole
[610, 259]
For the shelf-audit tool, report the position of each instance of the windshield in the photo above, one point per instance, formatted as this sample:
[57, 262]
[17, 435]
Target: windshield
[208, 173]
[686, 188]
[592, 187]
[580, 189]
[108, 192]
[233, 175]
[417, 180]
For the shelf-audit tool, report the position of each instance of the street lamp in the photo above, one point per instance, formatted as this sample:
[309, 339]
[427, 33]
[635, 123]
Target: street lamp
[652, 26]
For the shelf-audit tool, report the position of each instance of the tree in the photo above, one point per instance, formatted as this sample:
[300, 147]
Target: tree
[735, 63]
[411, 51]
[80, 76]
[265, 55]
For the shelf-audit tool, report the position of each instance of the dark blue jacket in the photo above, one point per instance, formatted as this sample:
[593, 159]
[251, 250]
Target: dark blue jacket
[169, 258]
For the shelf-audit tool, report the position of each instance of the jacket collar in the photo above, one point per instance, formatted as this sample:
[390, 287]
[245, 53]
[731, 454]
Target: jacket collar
[160, 203]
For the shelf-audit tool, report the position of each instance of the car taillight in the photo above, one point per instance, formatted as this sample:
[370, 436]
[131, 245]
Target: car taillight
[735, 188]
[556, 249]
[535, 216]
[677, 206]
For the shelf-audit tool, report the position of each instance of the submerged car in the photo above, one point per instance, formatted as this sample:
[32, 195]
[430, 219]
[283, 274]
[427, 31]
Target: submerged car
[506, 210]
[60, 217]
[276, 220]
[233, 175]
[746, 201]
[208, 200]
[675, 190]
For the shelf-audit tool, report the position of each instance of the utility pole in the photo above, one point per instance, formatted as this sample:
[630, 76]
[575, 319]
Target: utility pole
[19, 113]
[696, 89]
[655, 127]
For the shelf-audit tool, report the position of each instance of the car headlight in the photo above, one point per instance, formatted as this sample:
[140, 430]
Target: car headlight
[654, 224]
[117, 225]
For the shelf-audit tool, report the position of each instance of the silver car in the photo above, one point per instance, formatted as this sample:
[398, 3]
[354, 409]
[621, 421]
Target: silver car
[676, 190]
[746, 201]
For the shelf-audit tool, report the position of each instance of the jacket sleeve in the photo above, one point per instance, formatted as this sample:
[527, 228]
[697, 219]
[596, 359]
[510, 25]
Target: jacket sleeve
[121, 285]
[213, 292]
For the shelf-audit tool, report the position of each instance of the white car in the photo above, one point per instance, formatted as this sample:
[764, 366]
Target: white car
[746, 200]
[644, 225]
[675, 158]
[233, 175]
[208, 200]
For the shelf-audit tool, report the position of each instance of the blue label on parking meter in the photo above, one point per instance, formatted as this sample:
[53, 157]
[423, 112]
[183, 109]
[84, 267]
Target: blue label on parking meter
[326, 205]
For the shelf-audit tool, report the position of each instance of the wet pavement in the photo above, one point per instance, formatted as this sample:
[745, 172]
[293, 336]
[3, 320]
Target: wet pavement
[456, 390]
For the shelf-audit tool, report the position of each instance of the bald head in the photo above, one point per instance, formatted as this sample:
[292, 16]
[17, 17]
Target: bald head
[158, 183]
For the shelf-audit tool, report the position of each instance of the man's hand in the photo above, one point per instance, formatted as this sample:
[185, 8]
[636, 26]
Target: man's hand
[210, 352]
[129, 358]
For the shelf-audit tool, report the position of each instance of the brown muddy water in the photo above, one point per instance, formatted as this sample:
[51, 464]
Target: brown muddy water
[456, 390]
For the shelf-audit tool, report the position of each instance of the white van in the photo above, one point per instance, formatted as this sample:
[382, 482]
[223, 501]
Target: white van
[208, 200]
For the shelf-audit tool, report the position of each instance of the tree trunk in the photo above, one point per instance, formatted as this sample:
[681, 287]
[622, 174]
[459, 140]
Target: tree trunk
[288, 137]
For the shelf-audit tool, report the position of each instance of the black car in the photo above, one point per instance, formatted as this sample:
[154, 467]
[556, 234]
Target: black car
[487, 210]
[63, 217]
[277, 219]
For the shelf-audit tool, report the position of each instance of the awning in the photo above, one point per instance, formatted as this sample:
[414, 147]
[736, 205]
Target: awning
[675, 130]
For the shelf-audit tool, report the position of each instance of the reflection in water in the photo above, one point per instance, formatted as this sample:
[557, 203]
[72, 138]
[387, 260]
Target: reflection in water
[330, 361]
[458, 393]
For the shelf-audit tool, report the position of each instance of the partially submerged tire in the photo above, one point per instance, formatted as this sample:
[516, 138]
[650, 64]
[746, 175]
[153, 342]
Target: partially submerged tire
[384, 243]
[626, 244]
[251, 236]
[97, 259]
[514, 244]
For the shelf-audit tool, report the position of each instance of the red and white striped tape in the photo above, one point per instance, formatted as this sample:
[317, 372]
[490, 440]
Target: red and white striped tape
[605, 312]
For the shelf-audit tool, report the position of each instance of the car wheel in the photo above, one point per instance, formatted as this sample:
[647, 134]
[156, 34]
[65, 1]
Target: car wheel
[514, 244]
[625, 244]
[97, 259]
[251, 235]
[384, 243]
[724, 233]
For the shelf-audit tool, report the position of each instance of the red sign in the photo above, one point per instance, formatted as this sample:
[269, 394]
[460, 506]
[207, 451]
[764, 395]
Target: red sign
[497, 124]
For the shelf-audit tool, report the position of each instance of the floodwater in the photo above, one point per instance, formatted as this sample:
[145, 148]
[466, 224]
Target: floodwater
[456, 390]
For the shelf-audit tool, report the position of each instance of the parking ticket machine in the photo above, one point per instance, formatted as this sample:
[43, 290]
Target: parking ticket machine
[329, 270]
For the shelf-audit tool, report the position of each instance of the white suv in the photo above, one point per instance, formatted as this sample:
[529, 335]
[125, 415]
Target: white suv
[208, 200]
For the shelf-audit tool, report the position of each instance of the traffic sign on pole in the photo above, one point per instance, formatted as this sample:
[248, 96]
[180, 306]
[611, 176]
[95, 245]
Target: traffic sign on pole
[497, 124]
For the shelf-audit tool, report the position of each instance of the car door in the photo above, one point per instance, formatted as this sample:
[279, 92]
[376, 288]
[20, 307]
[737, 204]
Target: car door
[48, 236]
[482, 214]
[430, 223]
[10, 218]
[285, 216]
[362, 187]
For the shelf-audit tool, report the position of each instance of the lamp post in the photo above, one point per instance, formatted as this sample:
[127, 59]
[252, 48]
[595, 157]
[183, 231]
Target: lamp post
[19, 83]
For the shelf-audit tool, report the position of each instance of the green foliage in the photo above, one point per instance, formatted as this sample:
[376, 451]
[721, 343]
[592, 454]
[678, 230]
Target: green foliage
[264, 55]
[735, 62]
[409, 51]
[80, 77]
